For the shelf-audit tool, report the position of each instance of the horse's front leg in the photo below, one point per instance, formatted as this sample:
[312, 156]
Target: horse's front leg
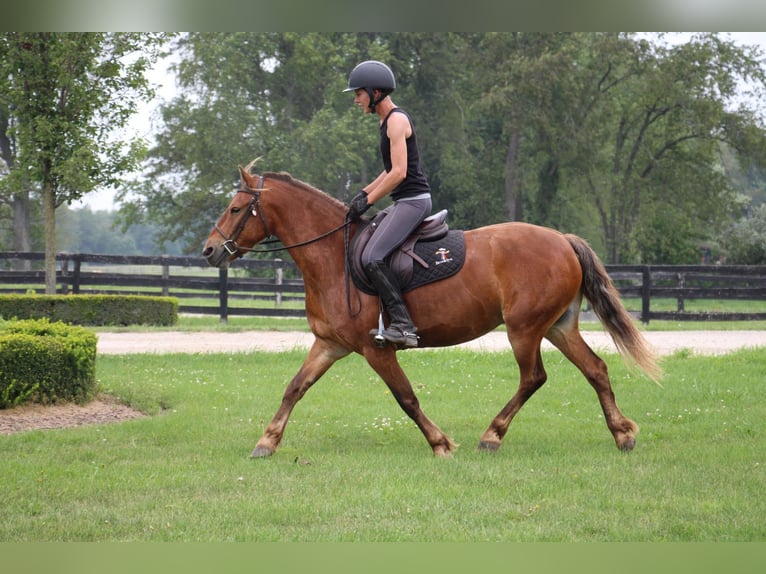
[385, 364]
[321, 357]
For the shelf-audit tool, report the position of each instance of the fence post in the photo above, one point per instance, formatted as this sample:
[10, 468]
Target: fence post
[680, 300]
[76, 276]
[278, 281]
[646, 288]
[165, 276]
[223, 294]
[64, 289]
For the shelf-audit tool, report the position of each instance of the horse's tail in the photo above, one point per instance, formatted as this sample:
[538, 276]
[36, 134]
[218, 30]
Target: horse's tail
[599, 290]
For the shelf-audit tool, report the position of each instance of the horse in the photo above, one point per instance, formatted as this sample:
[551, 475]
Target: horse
[530, 278]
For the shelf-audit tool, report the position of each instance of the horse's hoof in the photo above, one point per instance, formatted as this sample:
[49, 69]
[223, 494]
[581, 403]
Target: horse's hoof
[443, 454]
[261, 452]
[488, 446]
[628, 444]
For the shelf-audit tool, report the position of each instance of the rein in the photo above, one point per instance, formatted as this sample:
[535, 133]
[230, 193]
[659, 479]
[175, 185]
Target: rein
[254, 208]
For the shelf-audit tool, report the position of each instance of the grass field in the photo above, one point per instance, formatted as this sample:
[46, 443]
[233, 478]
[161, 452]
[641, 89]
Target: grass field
[352, 467]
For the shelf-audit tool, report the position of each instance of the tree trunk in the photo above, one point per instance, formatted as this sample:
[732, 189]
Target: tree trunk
[22, 234]
[49, 216]
[514, 200]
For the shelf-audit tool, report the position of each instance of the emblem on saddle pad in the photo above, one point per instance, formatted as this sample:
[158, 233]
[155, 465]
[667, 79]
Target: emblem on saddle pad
[433, 252]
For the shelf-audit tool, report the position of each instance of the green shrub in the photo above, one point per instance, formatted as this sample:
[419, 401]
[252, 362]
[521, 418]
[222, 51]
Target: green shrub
[92, 310]
[46, 362]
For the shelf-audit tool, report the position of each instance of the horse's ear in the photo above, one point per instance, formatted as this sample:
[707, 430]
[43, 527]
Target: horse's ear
[244, 176]
[245, 173]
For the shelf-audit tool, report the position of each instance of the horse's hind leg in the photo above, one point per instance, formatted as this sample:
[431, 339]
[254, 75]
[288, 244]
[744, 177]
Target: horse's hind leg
[532, 377]
[385, 364]
[568, 339]
[321, 357]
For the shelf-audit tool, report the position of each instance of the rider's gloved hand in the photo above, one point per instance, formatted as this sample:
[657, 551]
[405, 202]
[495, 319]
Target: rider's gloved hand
[358, 206]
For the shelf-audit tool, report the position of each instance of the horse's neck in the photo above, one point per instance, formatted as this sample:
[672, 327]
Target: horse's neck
[304, 216]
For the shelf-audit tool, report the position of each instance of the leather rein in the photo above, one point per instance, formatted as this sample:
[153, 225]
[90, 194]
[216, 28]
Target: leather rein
[254, 209]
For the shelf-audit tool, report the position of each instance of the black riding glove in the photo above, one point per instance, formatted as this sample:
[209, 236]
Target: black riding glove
[358, 206]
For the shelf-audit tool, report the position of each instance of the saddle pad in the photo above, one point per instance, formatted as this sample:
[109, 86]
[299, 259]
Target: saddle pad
[444, 258]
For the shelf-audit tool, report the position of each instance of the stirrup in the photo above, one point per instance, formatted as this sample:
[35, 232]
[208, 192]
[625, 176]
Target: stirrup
[403, 339]
[394, 334]
[399, 336]
[377, 334]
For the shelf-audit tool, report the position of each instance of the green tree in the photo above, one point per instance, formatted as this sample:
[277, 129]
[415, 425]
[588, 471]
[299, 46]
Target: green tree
[615, 127]
[439, 77]
[615, 137]
[744, 242]
[275, 96]
[63, 97]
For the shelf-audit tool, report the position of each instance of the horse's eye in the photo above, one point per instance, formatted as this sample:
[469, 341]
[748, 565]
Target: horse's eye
[236, 209]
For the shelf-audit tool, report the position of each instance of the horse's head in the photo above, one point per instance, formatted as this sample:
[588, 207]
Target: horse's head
[241, 226]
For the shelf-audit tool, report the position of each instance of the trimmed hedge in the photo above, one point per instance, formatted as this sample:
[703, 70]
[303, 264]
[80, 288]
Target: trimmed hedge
[46, 363]
[92, 310]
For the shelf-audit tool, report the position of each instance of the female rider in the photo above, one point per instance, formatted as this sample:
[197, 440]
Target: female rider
[403, 178]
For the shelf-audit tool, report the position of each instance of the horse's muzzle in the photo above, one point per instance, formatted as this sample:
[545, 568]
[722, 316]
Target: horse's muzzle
[217, 256]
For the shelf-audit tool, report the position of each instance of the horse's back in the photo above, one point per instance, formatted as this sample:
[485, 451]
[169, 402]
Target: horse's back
[522, 246]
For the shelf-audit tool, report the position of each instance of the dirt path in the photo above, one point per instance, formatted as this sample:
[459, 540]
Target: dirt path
[104, 410]
[665, 342]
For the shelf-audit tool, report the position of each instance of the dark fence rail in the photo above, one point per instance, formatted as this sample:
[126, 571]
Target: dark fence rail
[274, 288]
[684, 283]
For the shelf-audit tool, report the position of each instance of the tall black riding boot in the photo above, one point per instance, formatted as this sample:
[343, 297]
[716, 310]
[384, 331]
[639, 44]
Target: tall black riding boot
[401, 330]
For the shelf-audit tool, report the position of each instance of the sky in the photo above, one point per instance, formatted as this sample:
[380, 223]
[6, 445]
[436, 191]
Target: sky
[145, 123]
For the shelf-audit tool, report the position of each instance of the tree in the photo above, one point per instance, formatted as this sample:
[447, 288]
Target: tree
[612, 127]
[63, 97]
[607, 135]
[439, 77]
[744, 242]
[276, 96]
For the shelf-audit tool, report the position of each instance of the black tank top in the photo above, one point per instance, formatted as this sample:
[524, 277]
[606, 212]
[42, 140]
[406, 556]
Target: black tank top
[415, 182]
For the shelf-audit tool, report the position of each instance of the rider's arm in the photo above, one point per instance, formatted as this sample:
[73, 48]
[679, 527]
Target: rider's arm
[398, 130]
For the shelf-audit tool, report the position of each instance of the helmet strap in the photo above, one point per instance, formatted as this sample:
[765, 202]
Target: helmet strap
[374, 102]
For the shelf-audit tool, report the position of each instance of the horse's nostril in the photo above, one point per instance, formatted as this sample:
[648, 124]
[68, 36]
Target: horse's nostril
[207, 251]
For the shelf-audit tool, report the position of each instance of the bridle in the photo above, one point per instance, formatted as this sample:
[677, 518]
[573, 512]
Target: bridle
[254, 209]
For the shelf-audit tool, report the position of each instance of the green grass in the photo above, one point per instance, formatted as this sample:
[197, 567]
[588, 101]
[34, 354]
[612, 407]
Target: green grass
[352, 467]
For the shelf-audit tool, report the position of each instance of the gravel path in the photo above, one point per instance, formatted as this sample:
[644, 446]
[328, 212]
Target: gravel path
[664, 342]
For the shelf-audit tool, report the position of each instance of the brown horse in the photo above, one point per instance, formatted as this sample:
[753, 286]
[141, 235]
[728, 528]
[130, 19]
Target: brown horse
[530, 278]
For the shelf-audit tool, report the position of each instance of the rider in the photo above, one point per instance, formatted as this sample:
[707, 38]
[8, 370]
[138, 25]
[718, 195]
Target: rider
[403, 177]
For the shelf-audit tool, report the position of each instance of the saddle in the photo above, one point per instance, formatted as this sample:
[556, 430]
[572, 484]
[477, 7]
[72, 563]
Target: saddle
[431, 253]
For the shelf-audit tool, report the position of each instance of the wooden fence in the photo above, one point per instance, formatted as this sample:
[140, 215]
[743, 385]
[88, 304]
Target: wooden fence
[274, 288]
[249, 287]
[684, 283]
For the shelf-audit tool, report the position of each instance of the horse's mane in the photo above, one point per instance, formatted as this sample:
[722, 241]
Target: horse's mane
[287, 178]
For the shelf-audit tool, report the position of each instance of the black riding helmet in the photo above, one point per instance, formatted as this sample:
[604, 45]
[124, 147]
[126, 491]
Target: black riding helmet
[372, 75]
